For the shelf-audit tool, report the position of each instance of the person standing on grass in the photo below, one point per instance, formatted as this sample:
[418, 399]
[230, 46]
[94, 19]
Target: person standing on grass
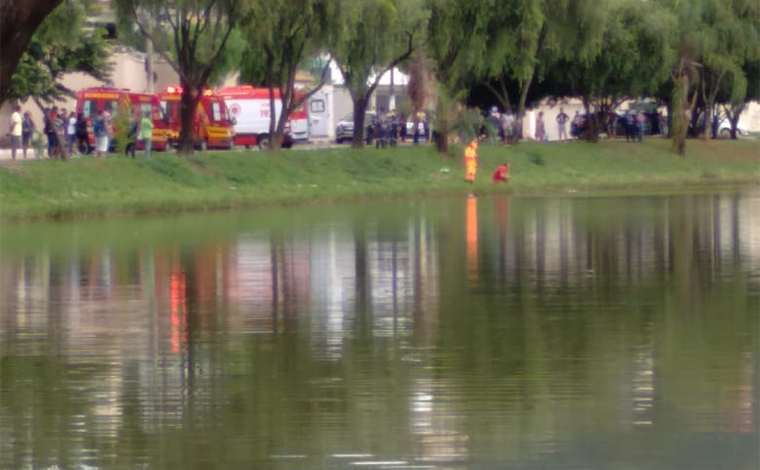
[51, 116]
[562, 119]
[71, 131]
[15, 130]
[471, 161]
[540, 127]
[146, 133]
[82, 143]
[99, 128]
[27, 131]
[132, 135]
[640, 123]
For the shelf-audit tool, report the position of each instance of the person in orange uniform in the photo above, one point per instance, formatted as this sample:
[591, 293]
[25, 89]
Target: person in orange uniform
[501, 173]
[471, 161]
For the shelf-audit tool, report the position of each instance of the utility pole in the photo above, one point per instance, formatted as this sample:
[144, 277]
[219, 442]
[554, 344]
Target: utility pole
[392, 97]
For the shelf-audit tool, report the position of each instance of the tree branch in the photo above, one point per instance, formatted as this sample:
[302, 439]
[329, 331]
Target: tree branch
[152, 39]
[394, 62]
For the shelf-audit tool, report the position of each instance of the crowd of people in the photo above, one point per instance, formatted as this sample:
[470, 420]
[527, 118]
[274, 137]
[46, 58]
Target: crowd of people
[389, 128]
[65, 134]
[633, 125]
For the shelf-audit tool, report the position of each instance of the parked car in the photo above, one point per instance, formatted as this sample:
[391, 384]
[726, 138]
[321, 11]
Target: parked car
[724, 129]
[344, 131]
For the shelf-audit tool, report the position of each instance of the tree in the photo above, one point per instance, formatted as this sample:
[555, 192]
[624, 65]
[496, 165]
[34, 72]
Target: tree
[455, 47]
[627, 55]
[280, 35]
[515, 38]
[59, 46]
[688, 46]
[733, 110]
[18, 22]
[190, 35]
[375, 36]
[730, 39]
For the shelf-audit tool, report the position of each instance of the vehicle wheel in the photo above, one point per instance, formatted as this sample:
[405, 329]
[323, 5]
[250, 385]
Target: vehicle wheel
[725, 133]
[264, 142]
[338, 140]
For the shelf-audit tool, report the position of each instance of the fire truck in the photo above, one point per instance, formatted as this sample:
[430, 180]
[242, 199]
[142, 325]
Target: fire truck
[92, 101]
[212, 124]
[250, 111]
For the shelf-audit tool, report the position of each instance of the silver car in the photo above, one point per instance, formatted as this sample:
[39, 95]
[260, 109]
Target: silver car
[344, 131]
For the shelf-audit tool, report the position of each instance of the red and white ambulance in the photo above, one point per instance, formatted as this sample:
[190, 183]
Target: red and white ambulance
[250, 111]
[212, 125]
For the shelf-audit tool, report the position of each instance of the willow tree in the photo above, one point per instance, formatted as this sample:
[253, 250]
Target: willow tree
[456, 48]
[515, 37]
[190, 35]
[733, 109]
[18, 22]
[625, 56]
[730, 39]
[688, 46]
[279, 37]
[374, 37]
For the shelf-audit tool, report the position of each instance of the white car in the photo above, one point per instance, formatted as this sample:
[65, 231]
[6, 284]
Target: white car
[724, 129]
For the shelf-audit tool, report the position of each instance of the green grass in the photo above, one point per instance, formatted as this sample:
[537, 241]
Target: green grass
[222, 180]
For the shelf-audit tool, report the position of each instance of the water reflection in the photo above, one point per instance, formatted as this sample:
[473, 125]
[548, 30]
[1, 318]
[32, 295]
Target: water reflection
[581, 333]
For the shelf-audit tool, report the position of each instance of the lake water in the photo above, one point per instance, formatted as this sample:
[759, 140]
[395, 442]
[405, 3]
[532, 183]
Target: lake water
[454, 333]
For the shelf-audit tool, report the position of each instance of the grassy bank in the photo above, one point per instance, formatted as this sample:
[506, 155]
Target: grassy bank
[221, 180]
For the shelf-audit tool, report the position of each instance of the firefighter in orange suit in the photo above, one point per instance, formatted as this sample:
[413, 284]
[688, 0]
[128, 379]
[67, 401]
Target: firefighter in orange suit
[471, 161]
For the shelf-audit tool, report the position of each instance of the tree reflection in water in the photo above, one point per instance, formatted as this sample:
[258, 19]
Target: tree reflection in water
[543, 332]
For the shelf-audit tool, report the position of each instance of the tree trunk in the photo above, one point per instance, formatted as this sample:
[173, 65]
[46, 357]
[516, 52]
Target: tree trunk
[708, 134]
[680, 117]
[591, 133]
[442, 125]
[18, 22]
[188, 107]
[518, 131]
[733, 118]
[360, 109]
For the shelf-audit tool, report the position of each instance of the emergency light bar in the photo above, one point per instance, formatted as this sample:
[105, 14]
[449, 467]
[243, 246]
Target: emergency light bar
[177, 90]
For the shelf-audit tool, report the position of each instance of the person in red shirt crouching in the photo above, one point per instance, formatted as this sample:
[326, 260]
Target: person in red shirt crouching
[501, 173]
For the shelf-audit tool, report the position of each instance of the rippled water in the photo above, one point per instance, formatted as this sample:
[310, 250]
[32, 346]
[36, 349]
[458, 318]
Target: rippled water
[477, 333]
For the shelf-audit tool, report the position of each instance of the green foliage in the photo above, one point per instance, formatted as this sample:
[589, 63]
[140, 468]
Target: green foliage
[536, 158]
[61, 45]
[122, 124]
[374, 36]
[626, 54]
[467, 125]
